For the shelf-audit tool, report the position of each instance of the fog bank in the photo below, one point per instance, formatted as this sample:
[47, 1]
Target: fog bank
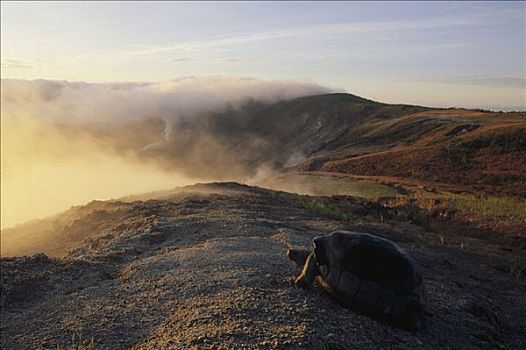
[66, 143]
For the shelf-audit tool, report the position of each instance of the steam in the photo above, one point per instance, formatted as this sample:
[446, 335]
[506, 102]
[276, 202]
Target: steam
[65, 143]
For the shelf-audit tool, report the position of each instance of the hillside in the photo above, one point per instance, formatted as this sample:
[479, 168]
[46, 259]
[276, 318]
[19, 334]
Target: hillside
[204, 267]
[476, 151]
[289, 132]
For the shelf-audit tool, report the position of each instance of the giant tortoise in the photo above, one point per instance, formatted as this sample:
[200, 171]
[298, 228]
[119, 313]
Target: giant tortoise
[366, 273]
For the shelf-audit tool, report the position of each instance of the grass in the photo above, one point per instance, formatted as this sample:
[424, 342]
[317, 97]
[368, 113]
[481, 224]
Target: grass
[448, 215]
[77, 343]
[456, 218]
[326, 208]
[504, 208]
[328, 185]
[408, 212]
[344, 208]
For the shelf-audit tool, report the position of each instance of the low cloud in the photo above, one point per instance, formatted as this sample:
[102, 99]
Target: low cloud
[80, 102]
[65, 143]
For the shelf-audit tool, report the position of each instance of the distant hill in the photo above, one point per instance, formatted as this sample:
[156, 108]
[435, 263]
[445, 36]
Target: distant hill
[306, 126]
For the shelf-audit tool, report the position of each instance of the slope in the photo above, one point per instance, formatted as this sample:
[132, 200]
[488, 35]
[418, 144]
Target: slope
[205, 268]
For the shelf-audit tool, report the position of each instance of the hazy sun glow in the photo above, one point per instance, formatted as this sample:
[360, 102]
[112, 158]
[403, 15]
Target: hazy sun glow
[44, 172]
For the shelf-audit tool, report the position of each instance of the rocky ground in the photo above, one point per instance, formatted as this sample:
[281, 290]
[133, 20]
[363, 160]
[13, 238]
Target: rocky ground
[205, 268]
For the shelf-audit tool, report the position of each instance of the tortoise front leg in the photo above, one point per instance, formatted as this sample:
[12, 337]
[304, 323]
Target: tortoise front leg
[308, 273]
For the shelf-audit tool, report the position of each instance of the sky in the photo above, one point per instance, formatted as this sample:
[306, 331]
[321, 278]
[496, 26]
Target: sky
[433, 53]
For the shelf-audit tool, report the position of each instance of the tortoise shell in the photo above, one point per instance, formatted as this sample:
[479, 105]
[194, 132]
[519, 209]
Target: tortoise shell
[369, 274]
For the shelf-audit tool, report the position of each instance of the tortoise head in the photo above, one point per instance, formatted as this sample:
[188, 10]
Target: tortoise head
[299, 256]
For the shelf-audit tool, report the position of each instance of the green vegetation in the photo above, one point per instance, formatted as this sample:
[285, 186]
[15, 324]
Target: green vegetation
[506, 208]
[409, 212]
[422, 208]
[344, 208]
[329, 185]
[326, 208]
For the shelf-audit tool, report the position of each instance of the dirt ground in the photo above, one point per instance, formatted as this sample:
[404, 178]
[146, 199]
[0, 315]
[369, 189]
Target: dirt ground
[206, 269]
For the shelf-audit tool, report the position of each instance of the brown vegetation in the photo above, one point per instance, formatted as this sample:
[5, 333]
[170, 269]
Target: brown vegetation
[489, 159]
